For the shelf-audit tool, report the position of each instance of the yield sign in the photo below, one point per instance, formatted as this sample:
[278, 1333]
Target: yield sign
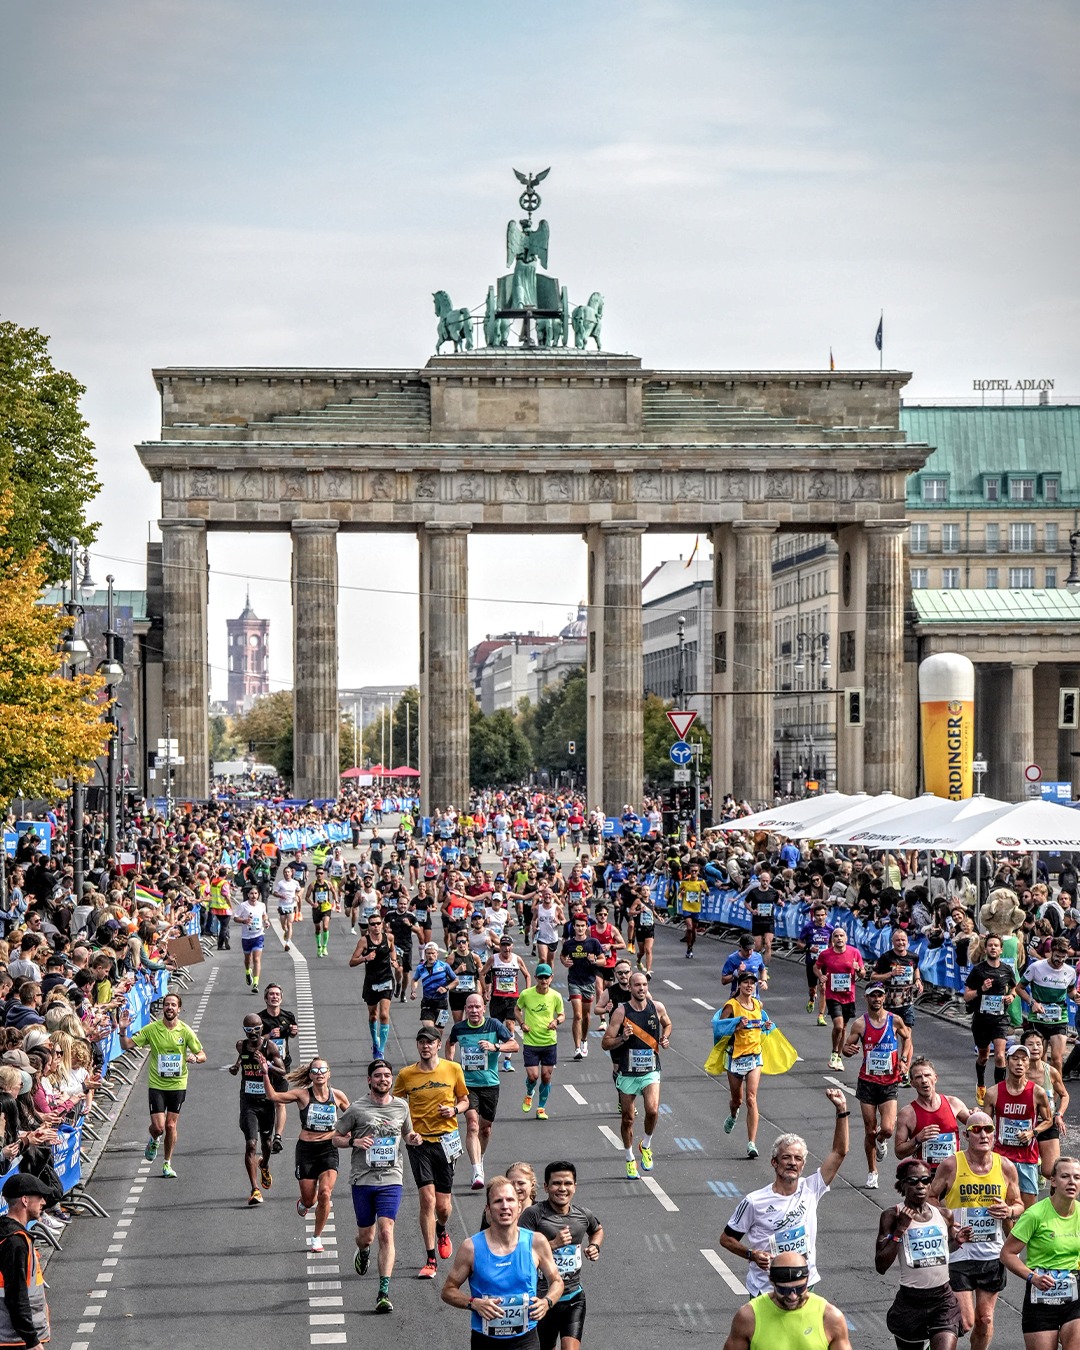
[682, 722]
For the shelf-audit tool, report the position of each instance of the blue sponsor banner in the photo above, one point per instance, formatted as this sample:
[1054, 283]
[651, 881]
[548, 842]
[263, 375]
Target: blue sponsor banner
[612, 827]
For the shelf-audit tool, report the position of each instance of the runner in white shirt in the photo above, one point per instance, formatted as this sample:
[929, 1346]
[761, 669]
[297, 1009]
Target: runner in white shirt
[250, 913]
[783, 1217]
[286, 894]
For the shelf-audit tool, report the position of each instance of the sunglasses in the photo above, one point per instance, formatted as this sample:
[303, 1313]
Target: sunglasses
[916, 1181]
[319, 1073]
[980, 1129]
[790, 1275]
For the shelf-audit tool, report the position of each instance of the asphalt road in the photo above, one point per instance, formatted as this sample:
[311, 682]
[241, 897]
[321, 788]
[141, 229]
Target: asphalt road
[187, 1263]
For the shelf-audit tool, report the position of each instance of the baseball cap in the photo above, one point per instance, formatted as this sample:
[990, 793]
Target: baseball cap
[746, 977]
[875, 988]
[1017, 1049]
[542, 969]
[428, 1034]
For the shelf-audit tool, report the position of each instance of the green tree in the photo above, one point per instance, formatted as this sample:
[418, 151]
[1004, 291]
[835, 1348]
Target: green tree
[223, 740]
[266, 730]
[498, 750]
[557, 719]
[659, 737]
[46, 458]
[50, 726]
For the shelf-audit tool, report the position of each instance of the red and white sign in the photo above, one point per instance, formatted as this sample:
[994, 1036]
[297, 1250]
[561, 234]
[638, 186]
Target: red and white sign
[682, 722]
[1032, 773]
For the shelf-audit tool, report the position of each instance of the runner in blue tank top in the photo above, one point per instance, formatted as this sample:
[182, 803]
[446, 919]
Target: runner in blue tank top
[501, 1267]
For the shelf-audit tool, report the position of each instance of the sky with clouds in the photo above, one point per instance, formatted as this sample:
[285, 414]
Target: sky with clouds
[748, 182]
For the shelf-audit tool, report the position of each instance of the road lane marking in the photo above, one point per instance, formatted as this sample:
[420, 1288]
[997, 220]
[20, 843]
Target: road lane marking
[728, 1189]
[702, 1004]
[837, 1082]
[724, 1271]
[689, 1145]
[650, 1184]
[575, 1094]
[672, 985]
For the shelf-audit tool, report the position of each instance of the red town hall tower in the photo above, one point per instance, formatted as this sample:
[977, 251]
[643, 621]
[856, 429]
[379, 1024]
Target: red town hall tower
[249, 658]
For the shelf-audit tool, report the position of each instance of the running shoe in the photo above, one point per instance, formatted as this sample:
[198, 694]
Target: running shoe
[881, 1148]
[821, 1020]
[445, 1246]
[871, 1182]
[287, 947]
[265, 1179]
[579, 1053]
[541, 1114]
[314, 1243]
[646, 1157]
[275, 1144]
[603, 1024]
[526, 1104]
[167, 1171]
[302, 1209]
[751, 1150]
[631, 1170]
[256, 1196]
[478, 1179]
[247, 976]
[383, 1304]
[362, 1260]
[980, 1096]
[150, 1152]
[508, 1067]
[428, 1271]
[809, 1005]
[584, 1049]
[254, 986]
[835, 1062]
[729, 1124]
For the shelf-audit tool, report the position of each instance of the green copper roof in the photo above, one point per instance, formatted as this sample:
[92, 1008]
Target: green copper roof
[971, 443]
[135, 600]
[1003, 606]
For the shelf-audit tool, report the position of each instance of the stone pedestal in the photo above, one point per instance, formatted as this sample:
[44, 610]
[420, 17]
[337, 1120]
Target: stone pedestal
[1021, 726]
[185, 686]
[614, 667]
[752, 664]
[884, 752]
[316, 769]
[444, 666]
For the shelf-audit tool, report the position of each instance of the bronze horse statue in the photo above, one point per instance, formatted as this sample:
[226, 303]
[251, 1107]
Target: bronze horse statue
[455, 325]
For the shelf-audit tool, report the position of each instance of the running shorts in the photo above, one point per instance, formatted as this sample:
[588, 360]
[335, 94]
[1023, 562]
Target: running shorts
[375, 1202]
[256, 1119]
[313, 1158]
[534, 1055]
[484, 1101]
[919, 1314]
[989, 1275]
[567, 1318]
[166, 1101]
[430, 1167]
[875, 1094]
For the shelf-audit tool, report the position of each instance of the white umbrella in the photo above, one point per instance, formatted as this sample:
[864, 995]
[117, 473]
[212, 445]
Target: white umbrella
[912, 825]
[863, 808]
[1023, 827]
[782, 819]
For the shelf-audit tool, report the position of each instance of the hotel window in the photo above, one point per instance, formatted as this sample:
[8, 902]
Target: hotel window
[991, 578]
[1051, 488]
[992, 488]
[935, 489]
[920, 538]
[1021, 538]
[919, 578]
[950, 578]
[993, 538]
[1021, 578]
[1050, 537]
[950, 538]
[1050, 578]
[1021, 489]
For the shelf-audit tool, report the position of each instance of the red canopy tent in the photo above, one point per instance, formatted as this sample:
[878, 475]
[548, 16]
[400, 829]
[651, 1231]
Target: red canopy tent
[404, 773]
[376, 771]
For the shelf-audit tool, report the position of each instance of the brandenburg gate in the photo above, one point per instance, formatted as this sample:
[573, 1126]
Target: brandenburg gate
[538, 438]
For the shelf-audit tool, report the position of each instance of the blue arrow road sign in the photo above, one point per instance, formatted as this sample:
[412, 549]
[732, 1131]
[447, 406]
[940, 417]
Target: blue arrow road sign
[681, 753]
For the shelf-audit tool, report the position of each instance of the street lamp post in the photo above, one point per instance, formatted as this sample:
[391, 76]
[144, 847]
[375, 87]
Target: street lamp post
[112, 672]
[76, 654]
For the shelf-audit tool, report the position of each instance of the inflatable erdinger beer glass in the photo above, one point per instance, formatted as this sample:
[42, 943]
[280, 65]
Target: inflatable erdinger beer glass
[947, 707]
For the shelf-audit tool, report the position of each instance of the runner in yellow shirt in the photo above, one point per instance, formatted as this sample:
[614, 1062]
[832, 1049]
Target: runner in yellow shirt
[692, 891]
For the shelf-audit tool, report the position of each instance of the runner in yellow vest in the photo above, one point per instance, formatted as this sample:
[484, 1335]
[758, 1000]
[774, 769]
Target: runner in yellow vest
[221, 906]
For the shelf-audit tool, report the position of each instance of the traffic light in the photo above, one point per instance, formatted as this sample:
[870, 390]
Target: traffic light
[853, 707]
[571, 747]
[1068, 709]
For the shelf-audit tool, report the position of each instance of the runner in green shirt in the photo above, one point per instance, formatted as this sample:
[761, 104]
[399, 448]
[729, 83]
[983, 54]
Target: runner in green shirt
[173, 1046]
[541, 1011]
[1050, 1231]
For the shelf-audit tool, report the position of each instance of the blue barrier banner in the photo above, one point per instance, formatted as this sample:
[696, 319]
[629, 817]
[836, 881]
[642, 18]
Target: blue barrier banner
[612, 827]
[66, 1157]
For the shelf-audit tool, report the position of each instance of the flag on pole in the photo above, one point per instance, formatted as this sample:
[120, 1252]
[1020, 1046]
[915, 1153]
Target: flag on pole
[879, 335]
[693, 551]
[832, 363]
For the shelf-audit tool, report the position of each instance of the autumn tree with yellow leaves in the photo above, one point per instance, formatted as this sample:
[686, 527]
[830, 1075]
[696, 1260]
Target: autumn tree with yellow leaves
[51, 726]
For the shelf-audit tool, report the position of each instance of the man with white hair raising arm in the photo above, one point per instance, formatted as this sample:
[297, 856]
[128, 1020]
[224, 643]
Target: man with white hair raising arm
[783, 1217]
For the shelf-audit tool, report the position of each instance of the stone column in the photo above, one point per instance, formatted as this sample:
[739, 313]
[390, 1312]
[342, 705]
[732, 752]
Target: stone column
[885, 757]
[316, 770]
[615, 667]
[444, 666]
[721, 664]
[185, 687]
[752, 663]
[1021, 726]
